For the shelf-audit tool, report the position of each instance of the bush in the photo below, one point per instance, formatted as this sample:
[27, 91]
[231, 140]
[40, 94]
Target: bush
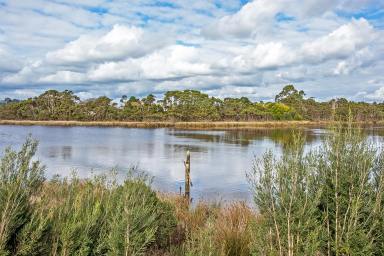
[20, 181]
[136, 220]
[74, 216]
[326, 202]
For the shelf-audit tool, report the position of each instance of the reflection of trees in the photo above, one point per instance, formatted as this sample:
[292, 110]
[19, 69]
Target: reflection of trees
[375, 131]
[184, 148]
[245, 137]
[286, 137]
[66, 152]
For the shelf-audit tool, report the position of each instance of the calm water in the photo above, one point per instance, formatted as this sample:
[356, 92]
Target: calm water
[219, 159]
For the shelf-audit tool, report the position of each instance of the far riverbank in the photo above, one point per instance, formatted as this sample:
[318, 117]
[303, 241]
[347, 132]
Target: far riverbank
[182, 125]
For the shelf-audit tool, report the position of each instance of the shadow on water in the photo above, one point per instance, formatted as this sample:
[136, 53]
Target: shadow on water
[244, 137]
[65, 152]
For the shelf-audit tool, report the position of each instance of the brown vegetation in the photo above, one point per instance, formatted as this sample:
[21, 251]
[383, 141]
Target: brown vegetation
[181, 125]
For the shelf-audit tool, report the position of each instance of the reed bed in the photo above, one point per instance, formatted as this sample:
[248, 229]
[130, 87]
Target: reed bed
[183, 125]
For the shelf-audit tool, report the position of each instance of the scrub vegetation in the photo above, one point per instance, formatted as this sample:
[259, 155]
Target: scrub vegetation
[186, 106]
[328, 201]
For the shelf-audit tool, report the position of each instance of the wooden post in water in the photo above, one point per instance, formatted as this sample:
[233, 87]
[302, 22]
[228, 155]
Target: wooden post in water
[187, 165]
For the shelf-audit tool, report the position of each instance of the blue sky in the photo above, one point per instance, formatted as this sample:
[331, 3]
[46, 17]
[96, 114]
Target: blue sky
[231, 48]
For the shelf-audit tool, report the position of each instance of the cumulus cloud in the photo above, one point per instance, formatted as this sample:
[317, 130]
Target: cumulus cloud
[221, 47]
[254, 15]
[340, 43]
[361, 58]
[121, 42]
[25, 75]
[263, 56]
[169, 63]
[258, 17]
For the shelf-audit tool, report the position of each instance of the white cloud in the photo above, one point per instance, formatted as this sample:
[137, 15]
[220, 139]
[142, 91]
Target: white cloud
[121, 42]
[64, 77]
[310, 8]
[256, 15]
[258, 18]
[340, 43]
[25, 75]
[169, 63]
[8, 61]
[361, 58]
[377, 95]
[115, 47]
[263, 56]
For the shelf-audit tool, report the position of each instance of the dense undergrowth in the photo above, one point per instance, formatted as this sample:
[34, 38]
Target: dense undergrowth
[325, 202]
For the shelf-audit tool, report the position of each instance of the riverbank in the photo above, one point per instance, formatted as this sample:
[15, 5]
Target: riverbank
[183, 125]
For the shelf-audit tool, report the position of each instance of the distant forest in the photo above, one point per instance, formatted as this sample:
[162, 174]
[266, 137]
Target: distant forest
[187, 105]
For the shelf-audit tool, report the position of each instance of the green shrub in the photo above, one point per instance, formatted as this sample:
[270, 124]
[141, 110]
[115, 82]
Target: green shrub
[326, 202]
[20, 181]
[137, 219]
[75, 216]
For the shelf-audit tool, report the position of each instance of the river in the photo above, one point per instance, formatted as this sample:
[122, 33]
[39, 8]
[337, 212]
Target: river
[219, 159]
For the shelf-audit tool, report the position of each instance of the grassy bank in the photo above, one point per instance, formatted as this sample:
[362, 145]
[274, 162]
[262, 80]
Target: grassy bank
[182, 125]
[324, 202]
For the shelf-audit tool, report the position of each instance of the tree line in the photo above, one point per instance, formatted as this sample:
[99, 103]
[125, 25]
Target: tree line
[186, 105]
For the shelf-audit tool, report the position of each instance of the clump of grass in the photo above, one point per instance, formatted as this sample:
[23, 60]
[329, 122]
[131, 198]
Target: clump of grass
[232, 229]
[212, 228]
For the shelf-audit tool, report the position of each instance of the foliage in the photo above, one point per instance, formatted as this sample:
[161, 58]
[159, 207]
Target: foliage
[74, 216]
[325, 202]
[187, 105]
[20, 180]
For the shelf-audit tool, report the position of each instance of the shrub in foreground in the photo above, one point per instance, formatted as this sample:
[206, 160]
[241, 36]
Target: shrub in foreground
[76, 217]
[325, 202]
[20, 181]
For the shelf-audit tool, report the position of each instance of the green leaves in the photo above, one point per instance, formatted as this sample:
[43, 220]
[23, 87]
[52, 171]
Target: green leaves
[325, 202]
[20, 181]
[186, 105]
[74, 216]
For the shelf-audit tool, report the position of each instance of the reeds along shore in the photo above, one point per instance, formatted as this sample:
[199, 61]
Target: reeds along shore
[183, 125]
[324, 202]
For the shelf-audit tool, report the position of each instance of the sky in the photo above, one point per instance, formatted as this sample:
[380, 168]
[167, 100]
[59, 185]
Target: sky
[226, 48]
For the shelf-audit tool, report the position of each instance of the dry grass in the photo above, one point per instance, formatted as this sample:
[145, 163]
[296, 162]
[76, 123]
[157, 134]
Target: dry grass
[211, 228]
[180, 125]
[232, 229]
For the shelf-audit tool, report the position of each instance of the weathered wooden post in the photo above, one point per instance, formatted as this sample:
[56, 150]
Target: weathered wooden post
[187, 165]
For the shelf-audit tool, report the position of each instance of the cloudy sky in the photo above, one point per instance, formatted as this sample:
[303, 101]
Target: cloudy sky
[328, 48]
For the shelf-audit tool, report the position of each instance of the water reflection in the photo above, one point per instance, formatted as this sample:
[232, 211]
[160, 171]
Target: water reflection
[219, 158]
[66, 152]
[246, 137]
[63, 152]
